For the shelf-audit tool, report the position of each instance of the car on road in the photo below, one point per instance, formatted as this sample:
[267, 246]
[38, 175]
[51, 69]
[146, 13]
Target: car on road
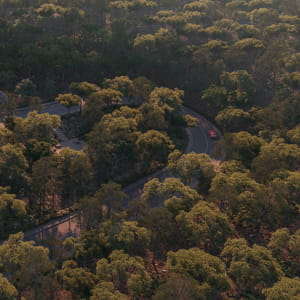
[212, 134]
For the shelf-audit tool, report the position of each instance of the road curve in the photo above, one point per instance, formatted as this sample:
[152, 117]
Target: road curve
[198, 142]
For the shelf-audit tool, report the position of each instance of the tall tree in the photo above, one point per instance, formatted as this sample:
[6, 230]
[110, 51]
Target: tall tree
[154, 147]
[253, 268]
[75, 279]
[13, 167]
[192, 166]
[169, 100]
[37, 126]
[127, 273]
[76, 174]
[172, 192]
[204, 226]
[111, 196]
[26, 266]
[208, 270]
[12, 212]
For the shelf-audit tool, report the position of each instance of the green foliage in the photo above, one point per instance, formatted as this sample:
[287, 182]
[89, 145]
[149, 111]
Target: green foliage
[127, 273]
[153, 117]
[142, 87]
[263, 16]
[84, 88]
[241, 57]
[125, 235]
[273, 156]
[236, 89]
[232, 166]
[85, 248]
[180, 287]
[7, 290]
[6, 136]
[26, 88]
[49, 9]
[253, 268]
[208, 270]
[205, 226]
[242, 199]
[154, 146]
[286, 288]
[192, 166]
[169, 100]
[233, 119]
[37, 126]
[172, 192]
[76, 171]
[12, 212]
[26, 266]
[45, 184]
[242, 146]
[284, 192]
[116, 141]
[97, 101]
[122, 84]
[111, 195]
[146, 41]
[106, 291]
[238, 80]
[215, 96]
[68, 100]
[13, 165]
[164, 231]
[77, 280]
[294, 135]
[191, 121]
[285, 247]
[292, 80]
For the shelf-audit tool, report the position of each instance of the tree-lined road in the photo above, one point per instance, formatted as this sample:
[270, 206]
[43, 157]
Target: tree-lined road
[198, 142]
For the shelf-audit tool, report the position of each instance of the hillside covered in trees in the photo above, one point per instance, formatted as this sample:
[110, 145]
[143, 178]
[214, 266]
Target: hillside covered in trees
[218, 227]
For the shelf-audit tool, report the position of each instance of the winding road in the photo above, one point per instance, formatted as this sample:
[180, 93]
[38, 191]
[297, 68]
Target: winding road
[199, 142]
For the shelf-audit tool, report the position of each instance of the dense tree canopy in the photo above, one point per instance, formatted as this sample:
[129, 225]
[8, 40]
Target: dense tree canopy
[223, 225]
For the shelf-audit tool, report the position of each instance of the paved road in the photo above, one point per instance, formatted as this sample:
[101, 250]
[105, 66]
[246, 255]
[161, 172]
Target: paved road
[53, 108]
[199, 142]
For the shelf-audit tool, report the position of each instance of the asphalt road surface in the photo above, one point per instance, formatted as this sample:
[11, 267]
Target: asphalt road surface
[52, 108]
[55, 108]
[199, 142]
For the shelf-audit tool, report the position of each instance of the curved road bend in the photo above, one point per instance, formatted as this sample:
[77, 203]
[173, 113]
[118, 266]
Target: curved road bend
[199, 142]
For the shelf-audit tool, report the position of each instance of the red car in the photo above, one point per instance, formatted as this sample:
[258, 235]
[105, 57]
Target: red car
[212, 134]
